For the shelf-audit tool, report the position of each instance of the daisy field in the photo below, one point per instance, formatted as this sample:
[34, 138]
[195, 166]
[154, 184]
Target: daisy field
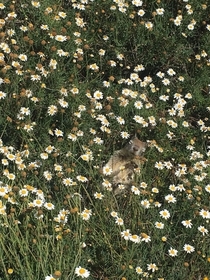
[78, 79]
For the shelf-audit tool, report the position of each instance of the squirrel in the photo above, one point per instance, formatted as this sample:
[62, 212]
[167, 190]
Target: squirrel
[125, 163]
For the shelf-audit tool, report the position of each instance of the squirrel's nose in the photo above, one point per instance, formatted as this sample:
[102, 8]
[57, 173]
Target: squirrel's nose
[135, 149]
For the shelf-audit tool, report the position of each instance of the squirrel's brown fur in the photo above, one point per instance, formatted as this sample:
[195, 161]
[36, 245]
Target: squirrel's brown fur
[125, 163]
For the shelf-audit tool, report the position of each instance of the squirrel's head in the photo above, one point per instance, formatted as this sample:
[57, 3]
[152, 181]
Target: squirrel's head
[136, 147]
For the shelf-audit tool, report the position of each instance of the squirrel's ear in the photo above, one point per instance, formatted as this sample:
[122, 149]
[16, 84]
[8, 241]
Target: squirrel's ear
[134, 136]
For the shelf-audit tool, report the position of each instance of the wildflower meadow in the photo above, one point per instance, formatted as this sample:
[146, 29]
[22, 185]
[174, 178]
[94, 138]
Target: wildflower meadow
[78, 79]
